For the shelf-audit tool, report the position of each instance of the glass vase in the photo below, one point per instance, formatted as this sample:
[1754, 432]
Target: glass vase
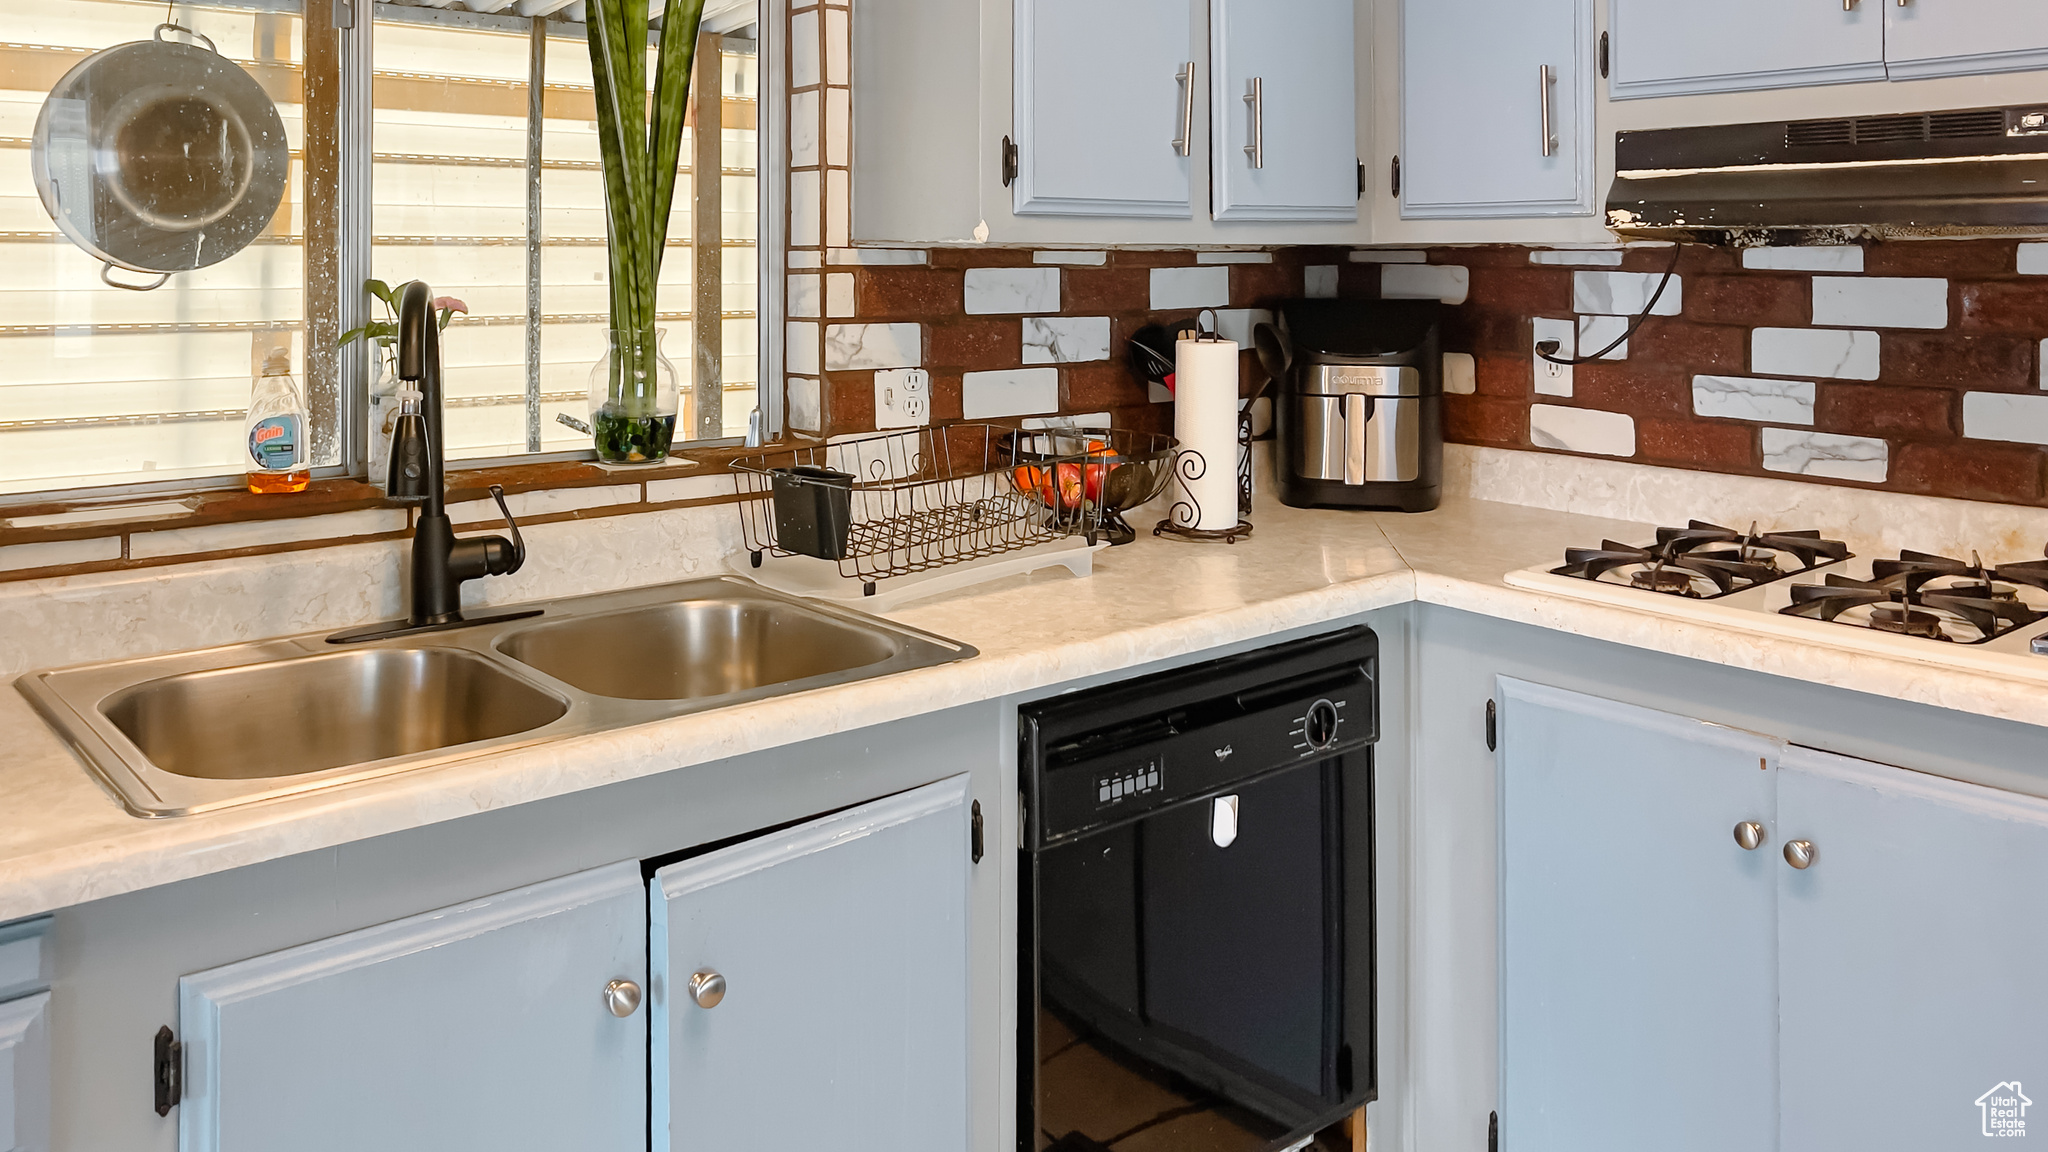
[633, 398]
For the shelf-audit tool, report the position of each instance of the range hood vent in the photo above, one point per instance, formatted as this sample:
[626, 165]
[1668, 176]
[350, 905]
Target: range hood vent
[1963, 172]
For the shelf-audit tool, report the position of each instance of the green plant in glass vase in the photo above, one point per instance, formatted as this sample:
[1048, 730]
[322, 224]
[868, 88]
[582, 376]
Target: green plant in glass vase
[640, 135]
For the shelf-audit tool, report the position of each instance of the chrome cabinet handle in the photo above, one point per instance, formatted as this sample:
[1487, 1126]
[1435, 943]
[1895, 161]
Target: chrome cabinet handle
[1256, 97]
[1548, 79]
[1185, 142]
[1848, 5]
[707, 988]
[1749, 834]
[1800, 853]
[622, 997]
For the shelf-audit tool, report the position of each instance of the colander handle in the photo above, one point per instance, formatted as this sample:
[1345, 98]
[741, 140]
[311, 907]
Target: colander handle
[162, 28]
[107, 274]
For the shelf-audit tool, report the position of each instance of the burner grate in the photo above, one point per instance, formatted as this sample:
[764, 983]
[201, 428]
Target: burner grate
[1921, 595]
[1704, 561]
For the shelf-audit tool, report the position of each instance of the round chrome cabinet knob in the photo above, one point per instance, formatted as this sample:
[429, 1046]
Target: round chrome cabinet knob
[622, 997]
[1319, 727]
[1749, 834]
[1800, 853]
[707, 988]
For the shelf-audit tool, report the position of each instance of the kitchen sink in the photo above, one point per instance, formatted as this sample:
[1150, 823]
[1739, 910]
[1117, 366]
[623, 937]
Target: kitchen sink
[196, 731]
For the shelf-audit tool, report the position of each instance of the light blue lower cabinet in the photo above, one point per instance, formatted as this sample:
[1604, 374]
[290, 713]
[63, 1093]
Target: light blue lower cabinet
[481, 1026]
[1638, 1000]
[25, 1074]
[839, 949]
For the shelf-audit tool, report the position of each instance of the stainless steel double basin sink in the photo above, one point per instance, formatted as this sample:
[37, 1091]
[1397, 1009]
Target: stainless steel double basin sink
[194, 731]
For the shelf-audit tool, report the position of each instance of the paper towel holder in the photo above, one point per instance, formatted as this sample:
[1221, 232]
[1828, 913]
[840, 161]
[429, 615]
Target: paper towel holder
[1190, 464]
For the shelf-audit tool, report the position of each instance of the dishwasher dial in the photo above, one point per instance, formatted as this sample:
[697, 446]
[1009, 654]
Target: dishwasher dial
[1319, 727]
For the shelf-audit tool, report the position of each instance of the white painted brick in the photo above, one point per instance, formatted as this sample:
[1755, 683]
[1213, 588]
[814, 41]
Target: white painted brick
[1597, 332]
[1069, 257]
[1461, 374]
[839, 294]
[1450, 283]
[838, 126]
[1856, 458]
[805, 150]
[1175, 288]
[1626, 293]
[806, 296]
[1821, 258]
[1233, 257]
[691, 488]
[1582, 430]
[544, 502]
[1835, 353]
[806, 211]
[855, 347]
[1014, 392]
[1065, 339]
[801, 259]
[836, 55]
[1749, 398]
[838, 207]
[1880, 302]
[1388, 256]
[1319, 281]
[1008, 291]
[805, 69]
[104, 513]
[256, 533]
[806, 404]
[1583, 257]
[2044, 363]
[2033, 260]
[51, 553]
[800, 346]
[874, 257]
[2017, 417]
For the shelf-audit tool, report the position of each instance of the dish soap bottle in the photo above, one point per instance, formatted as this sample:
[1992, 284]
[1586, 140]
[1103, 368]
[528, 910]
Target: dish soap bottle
[276, 428]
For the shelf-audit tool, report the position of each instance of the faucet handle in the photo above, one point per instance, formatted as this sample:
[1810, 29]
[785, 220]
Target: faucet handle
[506, 557]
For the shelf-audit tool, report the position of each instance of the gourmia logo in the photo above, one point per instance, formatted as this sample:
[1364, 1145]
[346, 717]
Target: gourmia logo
[2004, 1110]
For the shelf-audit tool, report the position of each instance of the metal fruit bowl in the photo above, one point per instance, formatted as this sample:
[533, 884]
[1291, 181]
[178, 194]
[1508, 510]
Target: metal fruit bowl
[1121, 469]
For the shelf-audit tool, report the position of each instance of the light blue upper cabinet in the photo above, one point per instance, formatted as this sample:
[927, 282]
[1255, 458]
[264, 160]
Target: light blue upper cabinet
[1284, 105]
[1911, 957]
[1638, 999]
[1961, 37]
[1659, 48]
[1496, 108]
[485, 1025]
[814, 981]
[1104, 108]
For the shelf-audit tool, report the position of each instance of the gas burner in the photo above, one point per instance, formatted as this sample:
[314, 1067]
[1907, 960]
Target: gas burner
[1930, 597]
[1704, 561]
[1907, 622]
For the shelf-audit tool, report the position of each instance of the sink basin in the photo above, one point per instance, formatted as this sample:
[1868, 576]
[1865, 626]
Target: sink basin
[696, 648]
[290, 717]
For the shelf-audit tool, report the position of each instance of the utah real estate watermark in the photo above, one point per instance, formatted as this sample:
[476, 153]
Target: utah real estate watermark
[2004, 1110]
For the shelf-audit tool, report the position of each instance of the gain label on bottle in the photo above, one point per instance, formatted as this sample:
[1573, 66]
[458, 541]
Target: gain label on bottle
[274, 443]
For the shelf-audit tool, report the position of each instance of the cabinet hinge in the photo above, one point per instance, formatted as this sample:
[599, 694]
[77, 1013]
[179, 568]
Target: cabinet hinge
[976, 837]
[1493, 1132]
[1492, 727]
[1009, 161]
[170, 1070]
[1603, 55]
[1397, 177]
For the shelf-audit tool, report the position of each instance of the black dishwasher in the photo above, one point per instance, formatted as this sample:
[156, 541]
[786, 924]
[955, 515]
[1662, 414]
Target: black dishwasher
[1197, 889]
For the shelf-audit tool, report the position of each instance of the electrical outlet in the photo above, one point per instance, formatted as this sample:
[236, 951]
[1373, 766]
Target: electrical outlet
[903, 398]
[1554, 379]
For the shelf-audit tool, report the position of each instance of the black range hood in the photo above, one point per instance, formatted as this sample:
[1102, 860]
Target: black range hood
[1967, 172]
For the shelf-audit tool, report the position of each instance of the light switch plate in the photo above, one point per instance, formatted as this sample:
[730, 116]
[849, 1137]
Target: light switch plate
[903, 398]
[1554, 379]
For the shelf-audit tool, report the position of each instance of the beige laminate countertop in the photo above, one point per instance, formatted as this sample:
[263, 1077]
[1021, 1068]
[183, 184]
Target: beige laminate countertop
[64, 841]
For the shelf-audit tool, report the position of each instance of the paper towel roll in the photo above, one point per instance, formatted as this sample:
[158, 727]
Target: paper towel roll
[1205, 423]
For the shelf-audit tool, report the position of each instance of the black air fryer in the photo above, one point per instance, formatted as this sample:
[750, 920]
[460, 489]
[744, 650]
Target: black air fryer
[1358, 416]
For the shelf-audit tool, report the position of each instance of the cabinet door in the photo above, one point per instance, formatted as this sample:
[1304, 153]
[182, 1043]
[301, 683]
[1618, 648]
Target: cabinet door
[1474, 104]
[842, 947]
[1638, 1005]
[1102, 93]
[478, 1026]
[1291, 152]
[25, 1074]
[1910, 956]
[1666, 49]
[1962, 37]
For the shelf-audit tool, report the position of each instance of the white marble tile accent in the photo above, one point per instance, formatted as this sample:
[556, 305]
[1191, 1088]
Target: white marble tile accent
[1065, 256]
[1388, 256]
[804, 122]
[806, 259]
[1625, 293]
[544, 502]
[839, 294]
[806, 404]
[2043, 360]
[1450, 283]
[1174, 288]
[2016, 417]
[1067, 423]
[836, 70]
[1233, 257]
[1582, 430]
[1236, 324]
[1552, 379]
[1065, 339]
[100, 514]
[1748, 398]
[875, 257]
[838, 126]
[1597, 332]
[838, 208]
[1856, 458]
[51, 553]
[800, 346]
[257, 533]
[1820, 258]
[1319, 281]
[1461, 374]
[1008, 291]
[805, 69]
[1582, 257]
[691, 488]
[806, 296]
[806, 210]
[1013, 392]
[855, 347]
[1813, 352]
[1880, 302]
[2033, 260]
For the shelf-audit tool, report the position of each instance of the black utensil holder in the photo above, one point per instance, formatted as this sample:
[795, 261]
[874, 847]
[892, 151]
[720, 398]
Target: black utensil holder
[813, 510]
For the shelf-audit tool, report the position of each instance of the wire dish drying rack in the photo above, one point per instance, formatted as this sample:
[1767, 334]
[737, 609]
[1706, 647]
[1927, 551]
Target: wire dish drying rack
[884, 518]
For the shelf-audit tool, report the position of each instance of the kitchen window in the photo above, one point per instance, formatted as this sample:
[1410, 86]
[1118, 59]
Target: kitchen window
[450, 146]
